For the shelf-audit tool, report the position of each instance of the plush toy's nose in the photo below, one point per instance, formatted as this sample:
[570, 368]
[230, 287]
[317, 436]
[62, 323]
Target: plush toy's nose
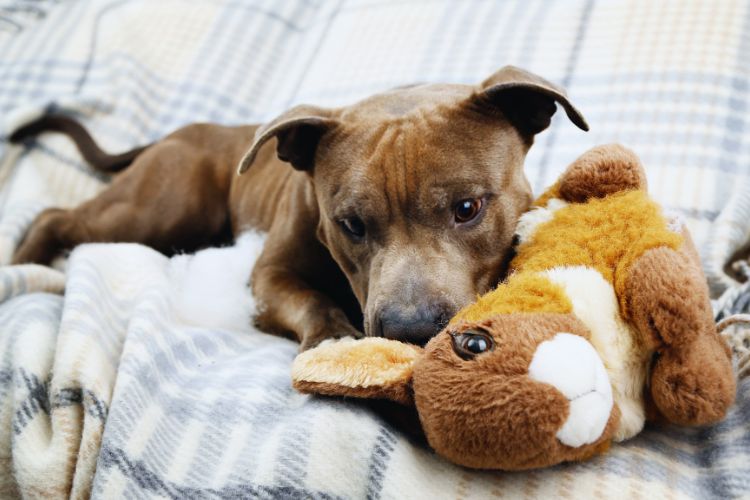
[414, 324]
[571, 364]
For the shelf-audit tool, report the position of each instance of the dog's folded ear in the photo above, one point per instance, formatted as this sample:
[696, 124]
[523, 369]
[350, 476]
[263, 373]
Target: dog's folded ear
[297, 132]
[372, 367]
[525, 99]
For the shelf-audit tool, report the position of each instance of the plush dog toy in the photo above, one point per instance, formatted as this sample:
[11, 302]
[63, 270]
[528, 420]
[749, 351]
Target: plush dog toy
[605, 320]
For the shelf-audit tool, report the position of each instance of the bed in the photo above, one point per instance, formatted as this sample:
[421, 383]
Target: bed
[116, 380]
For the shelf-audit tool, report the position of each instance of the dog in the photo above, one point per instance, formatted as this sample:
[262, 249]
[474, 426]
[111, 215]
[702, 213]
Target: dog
[383, 217]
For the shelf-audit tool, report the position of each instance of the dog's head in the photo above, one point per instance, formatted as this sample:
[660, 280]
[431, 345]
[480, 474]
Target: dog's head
[419, 190]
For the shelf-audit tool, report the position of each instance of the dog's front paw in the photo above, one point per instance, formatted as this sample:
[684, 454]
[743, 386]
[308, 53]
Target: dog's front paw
[311, 341]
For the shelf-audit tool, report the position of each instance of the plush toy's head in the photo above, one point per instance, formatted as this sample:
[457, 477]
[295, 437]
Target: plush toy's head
[553, 364]
[502, 393]
[510, 391]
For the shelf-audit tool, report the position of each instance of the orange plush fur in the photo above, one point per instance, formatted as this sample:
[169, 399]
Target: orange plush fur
[607, 234]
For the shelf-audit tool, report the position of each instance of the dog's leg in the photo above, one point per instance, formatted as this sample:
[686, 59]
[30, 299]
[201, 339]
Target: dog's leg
[301, 291]
[165, 200]
[53, 230]
[290, 307]
[692, 382]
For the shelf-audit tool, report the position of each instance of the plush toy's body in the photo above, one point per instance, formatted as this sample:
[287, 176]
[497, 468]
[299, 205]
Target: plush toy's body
[575, 258]
[604, 319]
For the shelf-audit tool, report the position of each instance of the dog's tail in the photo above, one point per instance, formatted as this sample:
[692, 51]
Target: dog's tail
[89, 149]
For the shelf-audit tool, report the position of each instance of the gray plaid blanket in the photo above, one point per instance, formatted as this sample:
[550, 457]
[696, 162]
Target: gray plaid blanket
[127, 374]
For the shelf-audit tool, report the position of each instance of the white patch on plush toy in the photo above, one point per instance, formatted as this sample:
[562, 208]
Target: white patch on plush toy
[675, 221]
[627, 363]
[531, 220]
[571, 364]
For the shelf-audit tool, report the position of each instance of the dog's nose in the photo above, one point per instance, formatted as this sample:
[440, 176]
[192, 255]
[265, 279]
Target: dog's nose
[415, 325]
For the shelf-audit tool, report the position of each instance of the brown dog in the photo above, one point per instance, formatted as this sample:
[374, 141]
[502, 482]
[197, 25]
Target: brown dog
[398, 210]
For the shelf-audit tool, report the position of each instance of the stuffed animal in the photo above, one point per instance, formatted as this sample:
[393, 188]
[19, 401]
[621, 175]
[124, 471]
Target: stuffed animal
[605, 321]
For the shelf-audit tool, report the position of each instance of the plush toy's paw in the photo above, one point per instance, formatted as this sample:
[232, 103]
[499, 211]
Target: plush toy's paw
[695, 384]
[571, 364]
[601, 171]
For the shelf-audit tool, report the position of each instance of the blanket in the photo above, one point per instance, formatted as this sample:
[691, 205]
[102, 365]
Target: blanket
[124, 373]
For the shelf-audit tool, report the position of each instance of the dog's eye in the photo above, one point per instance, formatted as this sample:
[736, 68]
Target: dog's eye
[353, 226]
[467, 210]
[472, 342]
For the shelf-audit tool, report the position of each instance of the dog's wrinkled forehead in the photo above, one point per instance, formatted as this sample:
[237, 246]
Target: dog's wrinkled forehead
[403, 101]
[415, 158]
[421, 140]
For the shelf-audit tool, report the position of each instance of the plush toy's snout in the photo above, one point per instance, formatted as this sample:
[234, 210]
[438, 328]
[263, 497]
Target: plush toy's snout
[571, 365]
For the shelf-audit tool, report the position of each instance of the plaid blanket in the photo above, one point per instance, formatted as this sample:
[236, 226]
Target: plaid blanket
[122, 375]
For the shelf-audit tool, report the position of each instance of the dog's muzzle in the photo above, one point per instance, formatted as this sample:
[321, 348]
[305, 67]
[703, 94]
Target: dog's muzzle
[415, 324]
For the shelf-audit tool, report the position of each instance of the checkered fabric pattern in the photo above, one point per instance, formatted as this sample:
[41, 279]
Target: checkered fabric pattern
[106, 390]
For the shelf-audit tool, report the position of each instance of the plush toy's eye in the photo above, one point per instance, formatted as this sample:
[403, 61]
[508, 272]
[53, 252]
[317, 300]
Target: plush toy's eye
[471, 342]
[467, 210]
[354, 227]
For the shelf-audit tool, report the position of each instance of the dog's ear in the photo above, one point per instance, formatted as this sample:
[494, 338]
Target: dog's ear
[297, 131]
[372, 367]
[525, 99]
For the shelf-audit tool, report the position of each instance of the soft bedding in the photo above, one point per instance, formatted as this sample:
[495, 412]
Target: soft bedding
[124, 373]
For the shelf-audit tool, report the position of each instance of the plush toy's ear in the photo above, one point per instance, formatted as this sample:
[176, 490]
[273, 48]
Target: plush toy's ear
[373, 367]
